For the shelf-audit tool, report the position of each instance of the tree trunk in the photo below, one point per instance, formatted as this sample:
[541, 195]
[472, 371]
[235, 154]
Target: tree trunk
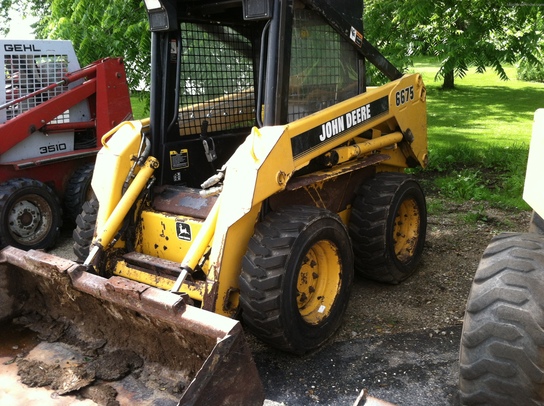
[448, 81]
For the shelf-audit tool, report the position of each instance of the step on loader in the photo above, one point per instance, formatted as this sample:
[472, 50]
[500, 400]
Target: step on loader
[52, 117]
[268, 172]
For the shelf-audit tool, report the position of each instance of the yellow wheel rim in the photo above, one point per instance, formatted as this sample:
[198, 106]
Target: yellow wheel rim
[318, 282]
[406, 230]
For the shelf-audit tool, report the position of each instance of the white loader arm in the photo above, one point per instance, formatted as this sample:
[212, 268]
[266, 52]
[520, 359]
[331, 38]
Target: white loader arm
[533, 192]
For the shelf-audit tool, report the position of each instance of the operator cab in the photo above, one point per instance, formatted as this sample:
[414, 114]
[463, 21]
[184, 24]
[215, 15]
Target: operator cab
[241, 64]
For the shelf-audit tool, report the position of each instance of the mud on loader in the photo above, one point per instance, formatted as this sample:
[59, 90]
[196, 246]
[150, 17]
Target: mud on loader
[267, 173]
[501, 357]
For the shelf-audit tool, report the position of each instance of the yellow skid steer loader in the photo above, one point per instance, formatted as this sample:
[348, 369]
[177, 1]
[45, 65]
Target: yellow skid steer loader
[267, 173]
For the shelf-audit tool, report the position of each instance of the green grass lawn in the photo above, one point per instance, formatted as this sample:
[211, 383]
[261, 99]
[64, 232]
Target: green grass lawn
[479, 133]
[139, 105]
[483, 109]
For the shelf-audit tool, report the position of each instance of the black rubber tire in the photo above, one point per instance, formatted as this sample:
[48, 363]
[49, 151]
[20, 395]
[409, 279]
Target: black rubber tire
[30, 213]
[388, 226]
[279, 304]
[78, 191]
[502, 344]
[84, 232]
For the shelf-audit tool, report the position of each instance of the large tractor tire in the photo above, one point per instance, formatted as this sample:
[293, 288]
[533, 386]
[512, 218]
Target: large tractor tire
[388, 226]
[78, 191]
[502, 343]
[30, 214]
[296, 278]
[84, 232]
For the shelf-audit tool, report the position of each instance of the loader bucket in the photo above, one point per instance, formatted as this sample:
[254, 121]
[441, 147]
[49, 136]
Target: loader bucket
[206, 351]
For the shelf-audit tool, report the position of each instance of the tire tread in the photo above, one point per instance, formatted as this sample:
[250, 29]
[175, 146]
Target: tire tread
[501, 355]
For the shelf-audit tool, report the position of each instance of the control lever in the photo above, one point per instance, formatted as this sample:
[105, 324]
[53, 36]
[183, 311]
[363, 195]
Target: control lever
[207, 142]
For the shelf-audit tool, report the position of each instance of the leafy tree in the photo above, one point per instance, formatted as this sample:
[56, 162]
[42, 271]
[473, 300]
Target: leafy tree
[97, 29]
[100, 28]
[460, 33]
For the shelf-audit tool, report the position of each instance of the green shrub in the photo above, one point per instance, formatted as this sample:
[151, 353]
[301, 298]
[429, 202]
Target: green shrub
[531, 72]
[492, 174]
[465, 184]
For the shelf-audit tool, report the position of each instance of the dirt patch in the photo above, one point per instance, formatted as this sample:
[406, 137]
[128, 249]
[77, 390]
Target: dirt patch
[435, 296]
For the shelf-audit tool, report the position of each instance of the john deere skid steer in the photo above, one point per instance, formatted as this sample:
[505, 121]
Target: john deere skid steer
[267, 173]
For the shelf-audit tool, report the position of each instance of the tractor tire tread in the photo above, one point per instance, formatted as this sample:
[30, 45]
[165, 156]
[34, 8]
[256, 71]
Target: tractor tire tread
[263, 274]
[84, 232]
[76, 191]
[501, 359]
[368, 226]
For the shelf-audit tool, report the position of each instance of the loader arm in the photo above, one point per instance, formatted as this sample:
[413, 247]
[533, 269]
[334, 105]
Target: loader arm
[102, 79]
[532, 191]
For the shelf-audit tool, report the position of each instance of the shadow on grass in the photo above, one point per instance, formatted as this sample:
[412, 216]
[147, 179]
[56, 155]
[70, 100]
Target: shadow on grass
[463, 112]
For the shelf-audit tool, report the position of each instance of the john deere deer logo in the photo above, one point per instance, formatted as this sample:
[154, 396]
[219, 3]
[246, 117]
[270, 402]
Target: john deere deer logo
[183, 230]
